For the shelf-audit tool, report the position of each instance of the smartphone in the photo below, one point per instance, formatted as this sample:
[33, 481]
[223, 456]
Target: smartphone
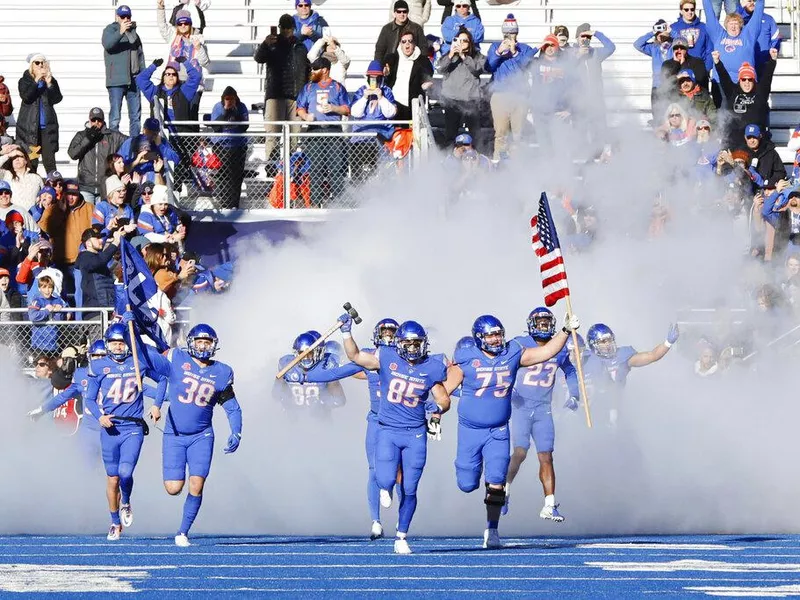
[122, 221]
[754, 162]
[273, 30]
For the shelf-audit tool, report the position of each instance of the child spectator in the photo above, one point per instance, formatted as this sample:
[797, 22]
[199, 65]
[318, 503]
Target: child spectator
[38, 262]
[46, 307]
[159, 221]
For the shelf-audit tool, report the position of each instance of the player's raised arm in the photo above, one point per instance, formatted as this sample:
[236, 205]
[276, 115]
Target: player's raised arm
[364, 359]
[539, 354]
[642, 359]
[320, 375]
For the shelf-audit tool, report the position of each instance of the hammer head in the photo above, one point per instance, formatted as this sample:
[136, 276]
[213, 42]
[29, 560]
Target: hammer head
[352, 312]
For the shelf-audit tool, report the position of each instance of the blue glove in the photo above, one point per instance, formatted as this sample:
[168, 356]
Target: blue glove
[571, 403]
[673, 333]
[127, 317]
[347, 322]
[233, 443]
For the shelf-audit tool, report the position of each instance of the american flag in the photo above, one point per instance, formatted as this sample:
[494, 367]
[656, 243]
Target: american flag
[551, 264]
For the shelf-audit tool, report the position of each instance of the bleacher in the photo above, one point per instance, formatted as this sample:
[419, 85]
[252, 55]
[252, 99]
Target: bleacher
[68, 33]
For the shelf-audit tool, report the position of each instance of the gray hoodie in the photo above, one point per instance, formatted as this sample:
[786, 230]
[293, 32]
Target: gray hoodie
[461, 77]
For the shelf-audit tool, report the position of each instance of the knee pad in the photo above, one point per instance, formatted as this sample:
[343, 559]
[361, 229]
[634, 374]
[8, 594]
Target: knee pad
[495, 497]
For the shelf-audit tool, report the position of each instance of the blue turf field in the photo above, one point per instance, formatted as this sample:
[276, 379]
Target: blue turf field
[335, 567]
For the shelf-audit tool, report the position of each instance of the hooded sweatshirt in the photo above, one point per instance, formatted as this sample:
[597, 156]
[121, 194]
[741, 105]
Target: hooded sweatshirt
[734, 50]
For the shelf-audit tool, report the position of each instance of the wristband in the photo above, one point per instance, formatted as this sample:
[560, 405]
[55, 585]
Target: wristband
[347, 335]
[565, 330]
[667, 343]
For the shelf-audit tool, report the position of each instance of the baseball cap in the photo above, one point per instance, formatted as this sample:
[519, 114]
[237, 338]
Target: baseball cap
[686, 74]
[183, 16]
[561, 30]
[71, 188]
[4, 272]
[401, 4]
[123, 10]
[55, 176]
[90, 233]
[549, 40]
[97, 113]
[147, 186]
[703, 123]
[464, 139]
[752, 130]
[321, 63]
[5, 186]
[152, 124]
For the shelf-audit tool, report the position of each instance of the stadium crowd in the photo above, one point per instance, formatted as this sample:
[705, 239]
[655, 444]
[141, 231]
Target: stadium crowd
[59, 238]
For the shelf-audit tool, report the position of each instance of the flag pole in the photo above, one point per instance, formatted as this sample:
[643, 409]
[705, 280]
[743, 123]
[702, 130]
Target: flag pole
[579, 367]
[134, 350]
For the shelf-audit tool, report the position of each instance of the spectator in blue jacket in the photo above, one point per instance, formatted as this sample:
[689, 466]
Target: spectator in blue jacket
[44, 307]
[657, 44]
[768, 36]
[112, 213]
[148, 153]
[694, 31]
[231, 148]
[508, 62]
[308, 23]
[158, 221]
[371, 102]
[735, 42]
[463, 17]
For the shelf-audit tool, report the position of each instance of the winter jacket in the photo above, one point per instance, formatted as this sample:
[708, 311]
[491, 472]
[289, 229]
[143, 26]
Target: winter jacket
[670, 68]
[36, 98]
[316, 22]
[176, 100]
[658, 54]
[287, 68]
[454, 23]
[745, 108]
[419, 11]
[65, 229]
[6, 106]
[461, 78]
[123, 55]
[97, 280]
[589, 74]
[43, 336]
[699, 105]
[448, 8]
[734, 50]
[237, 119]
[770, 166]
[104, 211]
[509, 70]
[421, 72]
[768, 37]
[14, 299]
[389, 38]
[338, 67]
[91, 148]
[697, 31]
[371, 108]
[179, 46]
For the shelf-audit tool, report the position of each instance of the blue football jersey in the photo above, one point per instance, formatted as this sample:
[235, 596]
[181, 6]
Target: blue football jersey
[534, 385]
[608, 374]
[320, 373]
[193, 392]
[405, 388]
[296, 394]
[114, 386]
[486, 388]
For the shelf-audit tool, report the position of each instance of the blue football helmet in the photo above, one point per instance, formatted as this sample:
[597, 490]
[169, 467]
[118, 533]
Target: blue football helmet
[315, 333]
[487, 325]
[541, 323]
[411, 341]
[304, 341]
[465, 342]
[118, 333]
[98, 348]
[335, 349]
[202, 332]
[581, 343]
[601, 340]
[384, 332]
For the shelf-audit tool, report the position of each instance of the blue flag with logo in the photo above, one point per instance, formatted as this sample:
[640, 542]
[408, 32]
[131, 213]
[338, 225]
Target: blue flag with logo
[140, 295]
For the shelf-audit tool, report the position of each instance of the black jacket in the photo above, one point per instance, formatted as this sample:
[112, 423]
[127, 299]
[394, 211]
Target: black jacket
[15, 301]
[91, 147]
[770, 166]
[421, 71]
[28, 118]
[287, 68]
[670, 68]
[98, 281]
[389, 38]
[745, 109]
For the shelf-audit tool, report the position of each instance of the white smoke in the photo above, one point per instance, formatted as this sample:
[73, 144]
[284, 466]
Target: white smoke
[691, 455]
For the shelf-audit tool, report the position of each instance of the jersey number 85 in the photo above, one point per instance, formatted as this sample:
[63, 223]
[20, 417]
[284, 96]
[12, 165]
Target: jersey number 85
[404, 392]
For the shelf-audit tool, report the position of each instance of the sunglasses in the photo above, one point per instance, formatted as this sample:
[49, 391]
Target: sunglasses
[462, 6]
[406, 41]
[704, 128]
[5, 193]
[42, 364]
[688, 9]
[751, 137]
[303, 5]
[96, 120]
[147, 192]
[38, 63]
[673, 115]
[401, 12]
[170, 74]
[750, 79]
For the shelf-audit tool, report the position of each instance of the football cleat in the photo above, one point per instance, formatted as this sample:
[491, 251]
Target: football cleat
[114, 532]
[401, 546]
[182, 541]
[126, 515]
[386, 499]
[377, 531]
[491, 539]
[551, 513]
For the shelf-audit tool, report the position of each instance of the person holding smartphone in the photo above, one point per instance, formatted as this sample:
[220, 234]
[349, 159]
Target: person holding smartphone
[124, 60]
[113, 213]
[37, 123]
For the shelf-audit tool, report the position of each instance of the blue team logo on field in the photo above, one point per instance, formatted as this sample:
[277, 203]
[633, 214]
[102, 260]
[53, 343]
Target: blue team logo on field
[393, 367]
[294, 377]
[106, 370]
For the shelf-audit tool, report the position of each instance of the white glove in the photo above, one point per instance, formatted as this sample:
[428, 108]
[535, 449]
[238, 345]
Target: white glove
[435, 429]
[35, 414]
[571, 323]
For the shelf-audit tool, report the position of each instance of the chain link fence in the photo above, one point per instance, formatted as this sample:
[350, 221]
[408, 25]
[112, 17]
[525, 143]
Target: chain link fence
[299, 166]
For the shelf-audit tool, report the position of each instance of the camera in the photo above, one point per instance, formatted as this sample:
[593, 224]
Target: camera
[133, 24]
[122, 221]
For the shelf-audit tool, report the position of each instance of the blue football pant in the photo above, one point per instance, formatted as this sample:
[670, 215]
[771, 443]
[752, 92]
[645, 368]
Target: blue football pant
[194, 451]
[536, 423]
[406, 448]
[479, 447]
[121, 447]
[373, 491]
